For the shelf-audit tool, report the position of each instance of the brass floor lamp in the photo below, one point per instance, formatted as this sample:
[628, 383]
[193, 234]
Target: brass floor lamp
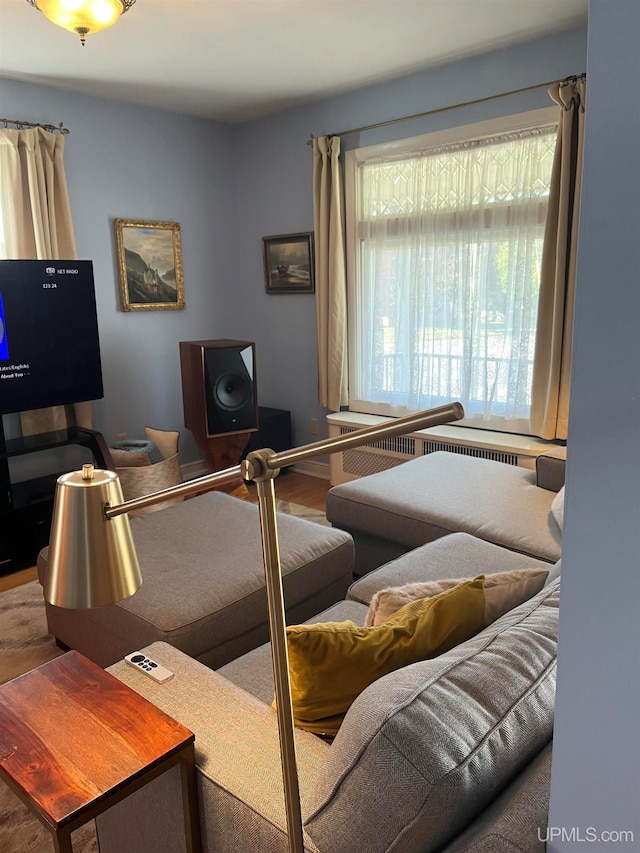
[93, 562]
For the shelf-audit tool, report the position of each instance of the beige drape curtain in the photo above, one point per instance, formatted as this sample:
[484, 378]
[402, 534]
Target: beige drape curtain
[36, 220]
[35, 203]
[330, 274]
[552, 371]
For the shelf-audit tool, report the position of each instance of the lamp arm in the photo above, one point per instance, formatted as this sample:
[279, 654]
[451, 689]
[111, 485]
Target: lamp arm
[182, 490]
[253, 465]
[388, 429]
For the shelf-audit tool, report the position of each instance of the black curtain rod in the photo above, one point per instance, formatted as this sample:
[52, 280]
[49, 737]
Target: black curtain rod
[572, 79]
[20, 125]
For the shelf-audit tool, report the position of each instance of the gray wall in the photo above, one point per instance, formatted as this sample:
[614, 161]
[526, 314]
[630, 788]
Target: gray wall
[124, 161]
[229, 187]
[596, 760]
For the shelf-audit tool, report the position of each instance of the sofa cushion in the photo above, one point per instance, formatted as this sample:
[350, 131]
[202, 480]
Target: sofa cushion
[253, 671]
[457, 555]
[554, 572]
[443, 493]
[557, 508]
[502, 592]
[330, 663]
[550, 469]
[516, 821]
[424, 750]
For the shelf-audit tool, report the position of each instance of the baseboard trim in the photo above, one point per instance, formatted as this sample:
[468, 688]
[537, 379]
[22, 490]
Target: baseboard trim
[191, 470]
[313, 469]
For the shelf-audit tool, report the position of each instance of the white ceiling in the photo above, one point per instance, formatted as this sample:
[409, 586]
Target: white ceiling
[236, 60]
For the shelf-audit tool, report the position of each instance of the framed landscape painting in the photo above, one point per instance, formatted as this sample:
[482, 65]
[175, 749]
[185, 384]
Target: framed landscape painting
[150, 265]
[288, 263]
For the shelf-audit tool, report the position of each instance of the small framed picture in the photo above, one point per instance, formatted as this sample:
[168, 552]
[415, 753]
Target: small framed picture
[288, 263]
[150, 265]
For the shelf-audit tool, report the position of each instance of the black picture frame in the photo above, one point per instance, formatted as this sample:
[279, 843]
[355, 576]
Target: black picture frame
[289, 263]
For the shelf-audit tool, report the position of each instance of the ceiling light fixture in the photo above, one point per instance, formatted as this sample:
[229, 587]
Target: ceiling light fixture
[82, 16]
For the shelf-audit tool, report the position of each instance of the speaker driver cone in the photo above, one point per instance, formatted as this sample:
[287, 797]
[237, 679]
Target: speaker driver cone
[232, 390]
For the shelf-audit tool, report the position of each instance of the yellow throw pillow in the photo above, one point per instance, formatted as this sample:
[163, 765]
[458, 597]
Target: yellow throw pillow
[503, 591]
[331, 663]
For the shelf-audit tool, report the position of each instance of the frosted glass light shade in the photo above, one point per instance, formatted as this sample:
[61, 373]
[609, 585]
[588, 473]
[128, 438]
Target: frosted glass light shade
[82, 16]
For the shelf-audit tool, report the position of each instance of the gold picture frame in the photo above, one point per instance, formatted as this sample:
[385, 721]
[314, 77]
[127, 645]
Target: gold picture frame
[150, 265]
[288, 263]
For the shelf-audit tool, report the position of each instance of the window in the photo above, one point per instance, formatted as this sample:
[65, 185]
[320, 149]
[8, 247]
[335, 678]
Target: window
[445, 239]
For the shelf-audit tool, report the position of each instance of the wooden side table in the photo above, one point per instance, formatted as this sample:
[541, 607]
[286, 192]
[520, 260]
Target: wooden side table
[74, 741]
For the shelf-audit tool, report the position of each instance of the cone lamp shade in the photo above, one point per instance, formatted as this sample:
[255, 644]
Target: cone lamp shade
[93, 559]
[83, 17]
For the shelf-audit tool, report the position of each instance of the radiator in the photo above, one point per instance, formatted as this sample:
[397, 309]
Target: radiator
[387, 453]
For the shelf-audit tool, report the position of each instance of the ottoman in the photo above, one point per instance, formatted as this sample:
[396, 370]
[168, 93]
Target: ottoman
[419, 501]
[203, 588]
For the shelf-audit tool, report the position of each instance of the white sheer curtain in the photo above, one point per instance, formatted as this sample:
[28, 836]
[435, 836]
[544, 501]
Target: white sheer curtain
[449, 246]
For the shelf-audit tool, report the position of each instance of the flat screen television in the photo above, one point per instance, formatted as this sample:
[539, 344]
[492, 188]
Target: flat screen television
[49, 344]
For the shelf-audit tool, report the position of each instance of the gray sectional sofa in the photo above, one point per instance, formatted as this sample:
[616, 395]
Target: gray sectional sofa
[447, 754]
[450, 754]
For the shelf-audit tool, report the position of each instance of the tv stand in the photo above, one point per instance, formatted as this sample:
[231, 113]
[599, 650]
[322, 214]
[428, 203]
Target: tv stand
[26, 506]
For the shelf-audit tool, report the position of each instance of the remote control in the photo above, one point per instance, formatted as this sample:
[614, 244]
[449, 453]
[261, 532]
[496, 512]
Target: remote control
[148, 666]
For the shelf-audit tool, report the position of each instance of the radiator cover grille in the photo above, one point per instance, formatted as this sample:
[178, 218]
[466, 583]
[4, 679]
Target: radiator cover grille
[430, 446]
[400, 444]
[390, 452]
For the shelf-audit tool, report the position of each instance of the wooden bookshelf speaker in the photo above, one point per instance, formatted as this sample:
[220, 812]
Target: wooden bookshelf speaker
[219, 391]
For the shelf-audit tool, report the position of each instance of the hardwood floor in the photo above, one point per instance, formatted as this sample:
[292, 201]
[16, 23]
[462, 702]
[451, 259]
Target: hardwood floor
[18, 578]
[293, 487]
[299, 489]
